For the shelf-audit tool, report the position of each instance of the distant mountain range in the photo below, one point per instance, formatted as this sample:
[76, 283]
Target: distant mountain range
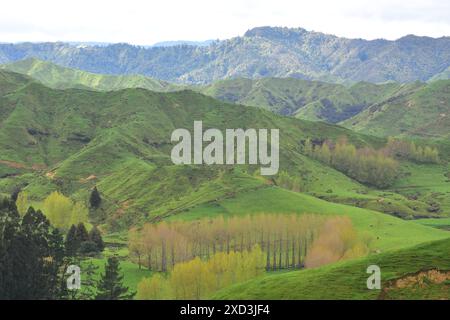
[182, 43]
[261, 52]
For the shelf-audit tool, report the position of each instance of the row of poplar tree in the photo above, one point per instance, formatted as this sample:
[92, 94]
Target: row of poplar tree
[284, 239]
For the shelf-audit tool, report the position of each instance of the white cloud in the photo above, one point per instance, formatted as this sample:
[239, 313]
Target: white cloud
[146, 22]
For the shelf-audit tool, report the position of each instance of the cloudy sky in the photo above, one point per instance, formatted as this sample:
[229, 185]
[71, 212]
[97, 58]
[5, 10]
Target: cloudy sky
[147, 22]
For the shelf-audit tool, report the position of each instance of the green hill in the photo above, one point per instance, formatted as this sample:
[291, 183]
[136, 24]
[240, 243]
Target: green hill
[59, 77]
[309, 100]
[364, 107]
[73, 139]
[421, 112]
[421, 272]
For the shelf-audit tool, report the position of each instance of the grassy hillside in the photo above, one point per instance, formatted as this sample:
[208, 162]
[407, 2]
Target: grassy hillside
[388, 232]
[404, 276]
[409, 110]
[310, 100]
[422, 112]
[71, 140]
[59, 77]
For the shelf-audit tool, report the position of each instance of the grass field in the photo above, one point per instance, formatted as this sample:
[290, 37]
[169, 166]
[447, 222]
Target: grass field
[389, 232]
[347, 280]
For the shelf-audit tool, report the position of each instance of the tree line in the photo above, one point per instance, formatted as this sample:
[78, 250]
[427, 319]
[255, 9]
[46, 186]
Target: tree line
[199, 277]
[366, 165]
[410, 151]
[284, 239]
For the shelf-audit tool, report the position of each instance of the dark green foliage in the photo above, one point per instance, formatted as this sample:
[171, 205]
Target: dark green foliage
[88, 248]
[79, 241]
[110, 286]
[95, 200]
[88, 282]
[31, 255]
[71, 243]
[81, 233]
[15, 194]
[96, 237]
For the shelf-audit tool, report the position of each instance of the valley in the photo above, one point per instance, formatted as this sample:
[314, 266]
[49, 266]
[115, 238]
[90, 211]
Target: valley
[363, 176]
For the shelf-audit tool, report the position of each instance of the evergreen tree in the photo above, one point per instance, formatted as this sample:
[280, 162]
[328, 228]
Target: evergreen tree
[15, 194]
[9, 228]
[31, 254]
[110, 286]
[95, 199]
[88, 282]
[96, 237]
[72, 244]
[81, 233]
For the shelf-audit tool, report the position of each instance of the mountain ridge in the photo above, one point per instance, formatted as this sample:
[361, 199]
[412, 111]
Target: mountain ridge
[261, 52]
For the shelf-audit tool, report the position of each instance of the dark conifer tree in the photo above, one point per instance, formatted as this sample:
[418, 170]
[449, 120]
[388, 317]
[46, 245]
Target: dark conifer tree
[96, 237]
[72, 244]
[81, 233]
[110, 286]
[95, 199]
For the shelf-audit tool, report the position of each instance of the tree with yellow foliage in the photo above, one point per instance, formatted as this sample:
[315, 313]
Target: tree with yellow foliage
[22, 203]
[154, 288]
[63, 212]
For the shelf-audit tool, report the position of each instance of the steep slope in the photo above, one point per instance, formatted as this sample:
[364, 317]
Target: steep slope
[261, 52]
[423, 111]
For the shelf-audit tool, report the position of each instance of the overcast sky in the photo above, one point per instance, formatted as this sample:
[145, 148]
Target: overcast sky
[147, 22]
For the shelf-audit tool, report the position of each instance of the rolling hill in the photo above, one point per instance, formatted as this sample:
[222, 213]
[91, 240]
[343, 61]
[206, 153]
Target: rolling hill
[362, 107]
[415, 109]
[261, 52]
[424, 112]
[73, 139]
[311, 100]
[58, 77]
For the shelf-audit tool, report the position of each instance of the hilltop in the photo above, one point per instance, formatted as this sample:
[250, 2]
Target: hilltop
[58, 77]
[261, 52]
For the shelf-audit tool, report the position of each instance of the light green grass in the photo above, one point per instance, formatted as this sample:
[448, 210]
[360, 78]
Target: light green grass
[389, 232]
[347, 280]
